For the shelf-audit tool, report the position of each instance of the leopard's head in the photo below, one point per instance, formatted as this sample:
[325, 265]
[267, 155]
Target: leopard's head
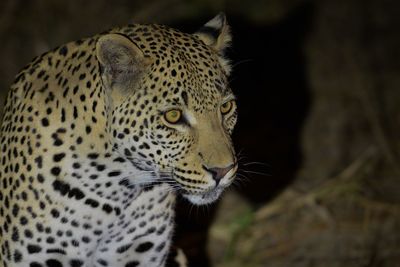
[173, 111]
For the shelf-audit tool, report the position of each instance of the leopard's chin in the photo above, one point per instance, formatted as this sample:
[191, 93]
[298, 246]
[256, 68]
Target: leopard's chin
[204, 198]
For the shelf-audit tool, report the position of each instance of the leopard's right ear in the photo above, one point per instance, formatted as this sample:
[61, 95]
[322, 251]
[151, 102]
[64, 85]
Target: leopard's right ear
[120, 59]
[216, 33]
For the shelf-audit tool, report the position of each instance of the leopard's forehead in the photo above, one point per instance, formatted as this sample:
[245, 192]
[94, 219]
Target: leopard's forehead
[182, 65]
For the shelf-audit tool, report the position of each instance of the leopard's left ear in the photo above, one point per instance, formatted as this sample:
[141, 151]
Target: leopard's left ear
[216, 33]
[121, 59]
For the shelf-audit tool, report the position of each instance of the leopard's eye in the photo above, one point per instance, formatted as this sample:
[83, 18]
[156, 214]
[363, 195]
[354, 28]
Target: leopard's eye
[173, 116]
[226, 107]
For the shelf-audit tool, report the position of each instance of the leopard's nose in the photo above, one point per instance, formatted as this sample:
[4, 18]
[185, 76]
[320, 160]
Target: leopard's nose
[218, 173]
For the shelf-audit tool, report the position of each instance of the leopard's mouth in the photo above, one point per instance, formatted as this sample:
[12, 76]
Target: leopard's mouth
[198, 195]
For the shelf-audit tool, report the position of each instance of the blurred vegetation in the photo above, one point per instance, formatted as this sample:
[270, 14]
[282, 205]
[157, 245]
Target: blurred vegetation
[338, 223]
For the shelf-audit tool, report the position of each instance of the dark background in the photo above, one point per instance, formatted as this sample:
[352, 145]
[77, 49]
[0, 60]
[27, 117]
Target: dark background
[318, 132]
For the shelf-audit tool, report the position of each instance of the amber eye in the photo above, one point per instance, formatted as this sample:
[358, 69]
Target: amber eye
[173, 116]
[226, 107]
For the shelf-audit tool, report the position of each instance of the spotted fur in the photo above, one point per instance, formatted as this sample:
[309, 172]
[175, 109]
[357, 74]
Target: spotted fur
[90, 168]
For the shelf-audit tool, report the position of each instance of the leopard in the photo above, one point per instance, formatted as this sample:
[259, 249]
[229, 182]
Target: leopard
[100, 137]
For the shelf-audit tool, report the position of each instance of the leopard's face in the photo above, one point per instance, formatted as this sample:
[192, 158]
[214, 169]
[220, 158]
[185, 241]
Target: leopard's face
[183, 135]
[177, 117]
